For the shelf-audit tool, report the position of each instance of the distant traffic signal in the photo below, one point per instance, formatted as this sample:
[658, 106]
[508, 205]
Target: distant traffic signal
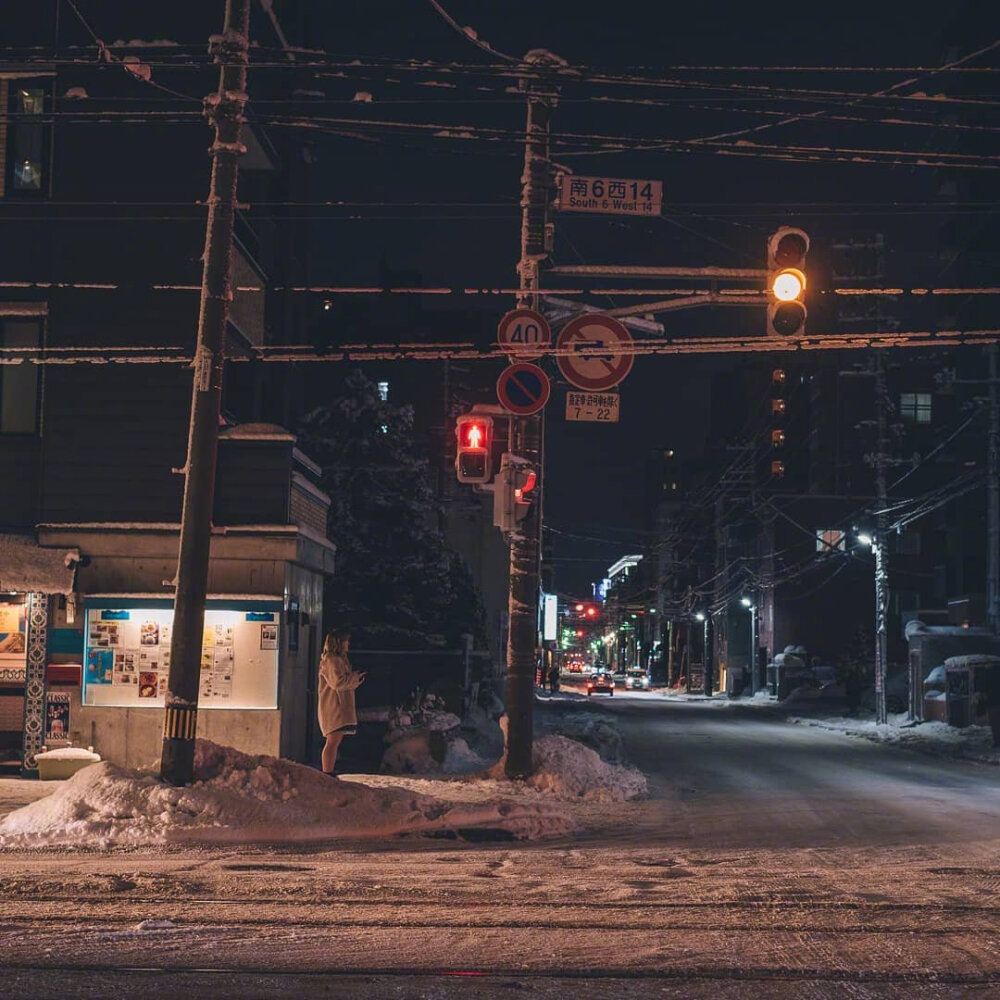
[473, 458]
[786, 282]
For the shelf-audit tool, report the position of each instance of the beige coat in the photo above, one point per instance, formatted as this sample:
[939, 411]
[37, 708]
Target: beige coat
[335, 695]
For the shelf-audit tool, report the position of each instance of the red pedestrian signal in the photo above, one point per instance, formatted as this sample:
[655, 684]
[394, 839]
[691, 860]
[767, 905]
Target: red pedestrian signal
[473, 458]
[786, 282]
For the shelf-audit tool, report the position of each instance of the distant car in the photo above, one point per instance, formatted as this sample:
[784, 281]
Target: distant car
[601, 681]
[637, 680]
[575, 667]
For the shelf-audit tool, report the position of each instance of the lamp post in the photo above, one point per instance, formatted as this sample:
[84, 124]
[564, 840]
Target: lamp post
[707, 683]
[754, 665]
[876, 542]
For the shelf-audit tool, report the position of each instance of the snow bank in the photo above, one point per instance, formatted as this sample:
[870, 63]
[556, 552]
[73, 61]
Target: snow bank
[969, 743]
[597, 731]
[242, 798]
[569, 770]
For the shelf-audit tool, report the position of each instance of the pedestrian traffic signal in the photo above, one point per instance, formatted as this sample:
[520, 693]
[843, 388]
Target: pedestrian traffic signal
[786, 282]
[513, 491]
[473, 458]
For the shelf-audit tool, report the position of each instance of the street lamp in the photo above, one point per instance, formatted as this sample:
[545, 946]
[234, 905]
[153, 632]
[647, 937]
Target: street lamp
[707, 681]
[754, 665]
[875, 541]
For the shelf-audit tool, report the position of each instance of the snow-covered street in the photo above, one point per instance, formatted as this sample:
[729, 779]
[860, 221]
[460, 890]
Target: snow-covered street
[772, 858]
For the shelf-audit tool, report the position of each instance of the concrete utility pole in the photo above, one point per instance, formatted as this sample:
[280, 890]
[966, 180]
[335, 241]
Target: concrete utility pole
[224, 109]
[526, 432]
[878, 538]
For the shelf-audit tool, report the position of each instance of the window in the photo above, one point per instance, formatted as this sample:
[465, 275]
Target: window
[829, 539]
[915, 407]
[23, 173]
[19, 383]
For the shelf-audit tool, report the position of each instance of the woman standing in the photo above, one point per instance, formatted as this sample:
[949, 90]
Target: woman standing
[337, 683]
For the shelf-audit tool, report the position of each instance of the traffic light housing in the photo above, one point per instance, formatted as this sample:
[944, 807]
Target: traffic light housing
[786, 282]
[513, 491]
[473, 457]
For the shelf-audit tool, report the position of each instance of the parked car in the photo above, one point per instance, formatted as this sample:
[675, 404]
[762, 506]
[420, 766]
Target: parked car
[601, 681]
[637, 680]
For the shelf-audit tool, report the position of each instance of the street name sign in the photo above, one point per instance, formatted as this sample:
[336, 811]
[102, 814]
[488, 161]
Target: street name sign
[594, 352]
[523, 388]
[598, 407]
[524, 333]
[609, 195]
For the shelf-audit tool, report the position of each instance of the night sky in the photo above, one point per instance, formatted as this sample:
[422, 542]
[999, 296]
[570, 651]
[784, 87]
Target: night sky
[450, 206]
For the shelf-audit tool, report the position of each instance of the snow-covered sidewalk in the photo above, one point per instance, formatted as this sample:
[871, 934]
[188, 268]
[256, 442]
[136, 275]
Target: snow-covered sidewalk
[938, 738]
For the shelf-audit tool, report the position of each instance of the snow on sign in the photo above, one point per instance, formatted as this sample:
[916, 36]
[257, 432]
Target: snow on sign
[522, 332]
[609, 195]
[523, 388]
[594, 352]
[597, 407]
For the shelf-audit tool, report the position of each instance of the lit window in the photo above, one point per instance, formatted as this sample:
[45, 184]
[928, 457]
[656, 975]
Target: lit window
[830, 539]
[19, 383]
[383, 390]
[915, 407]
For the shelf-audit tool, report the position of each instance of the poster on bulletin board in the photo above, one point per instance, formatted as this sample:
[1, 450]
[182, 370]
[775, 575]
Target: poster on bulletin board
[128, 658]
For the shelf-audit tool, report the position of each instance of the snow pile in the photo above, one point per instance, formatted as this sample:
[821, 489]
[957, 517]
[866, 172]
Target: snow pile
[969, 743]
[570, 770]
[68, 753]
[423, 739]
[242, 798]
[596, 731]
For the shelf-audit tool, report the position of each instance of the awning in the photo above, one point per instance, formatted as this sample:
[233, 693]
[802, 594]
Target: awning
[26, 566]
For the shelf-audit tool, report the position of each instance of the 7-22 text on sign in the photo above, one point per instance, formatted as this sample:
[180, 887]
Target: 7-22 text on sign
[598, 407]
[609, 195]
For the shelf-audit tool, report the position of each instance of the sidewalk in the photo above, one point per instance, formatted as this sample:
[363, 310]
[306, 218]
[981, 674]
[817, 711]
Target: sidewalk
[973, 743]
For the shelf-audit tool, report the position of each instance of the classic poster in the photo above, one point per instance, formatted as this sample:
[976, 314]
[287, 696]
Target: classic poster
[57, 716]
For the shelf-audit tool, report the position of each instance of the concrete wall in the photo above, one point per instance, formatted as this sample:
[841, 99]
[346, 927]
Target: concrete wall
[133, 737]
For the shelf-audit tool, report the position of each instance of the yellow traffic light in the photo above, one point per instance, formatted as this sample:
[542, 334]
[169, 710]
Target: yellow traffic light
[786, 281]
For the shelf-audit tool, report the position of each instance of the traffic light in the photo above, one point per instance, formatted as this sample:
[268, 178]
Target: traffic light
[786, 282]
[513, 492]
[473, 458]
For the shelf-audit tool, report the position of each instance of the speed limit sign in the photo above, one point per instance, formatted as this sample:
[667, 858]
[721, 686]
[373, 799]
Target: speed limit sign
[524, 333]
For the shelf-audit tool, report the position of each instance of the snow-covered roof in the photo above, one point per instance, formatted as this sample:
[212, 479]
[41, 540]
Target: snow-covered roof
[27, 566]
[257, 432]
[971, 660]
[916, 627]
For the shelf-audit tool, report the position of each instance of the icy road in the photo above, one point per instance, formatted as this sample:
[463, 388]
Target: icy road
[772, 860]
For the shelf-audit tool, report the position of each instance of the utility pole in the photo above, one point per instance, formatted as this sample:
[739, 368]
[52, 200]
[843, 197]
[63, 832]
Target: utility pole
[224, 109]
[993, 500]
[879, 540]
[526, 432]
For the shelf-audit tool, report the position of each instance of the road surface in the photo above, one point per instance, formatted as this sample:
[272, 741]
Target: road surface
[772, 860]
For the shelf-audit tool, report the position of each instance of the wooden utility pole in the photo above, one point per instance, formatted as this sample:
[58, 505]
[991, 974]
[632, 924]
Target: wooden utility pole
[224, 109]
[525, 438]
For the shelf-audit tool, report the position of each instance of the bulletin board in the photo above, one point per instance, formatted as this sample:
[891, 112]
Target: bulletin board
[127, 657]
